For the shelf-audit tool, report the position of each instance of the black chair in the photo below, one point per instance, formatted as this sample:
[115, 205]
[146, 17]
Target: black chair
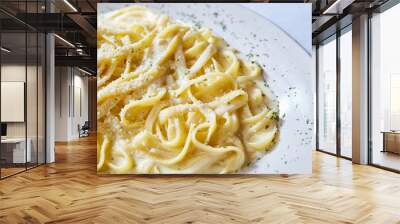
[84, 130]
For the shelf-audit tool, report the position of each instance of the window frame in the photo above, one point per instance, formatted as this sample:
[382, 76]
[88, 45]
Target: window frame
[334, 37]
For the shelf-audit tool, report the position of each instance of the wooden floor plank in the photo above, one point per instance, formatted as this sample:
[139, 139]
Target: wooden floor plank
[70, 191]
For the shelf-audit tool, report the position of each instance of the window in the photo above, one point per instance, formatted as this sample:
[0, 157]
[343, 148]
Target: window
[22, 77]
[385, 89]
[327, 96]
[346, 92]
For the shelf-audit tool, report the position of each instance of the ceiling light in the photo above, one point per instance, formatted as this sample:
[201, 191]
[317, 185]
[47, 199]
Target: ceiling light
[79, 51]
[328, 10]
[84, 71]
[338, 6]
[70, 5]
[65, 41]
[5, 49]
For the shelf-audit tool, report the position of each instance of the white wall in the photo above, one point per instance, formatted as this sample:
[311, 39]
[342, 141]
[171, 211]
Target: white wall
[61, 103]
[80, 115]
[12, 73]
[71, 94]
[33, 127]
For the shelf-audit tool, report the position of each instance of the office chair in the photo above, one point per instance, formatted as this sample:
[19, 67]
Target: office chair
[84, 130]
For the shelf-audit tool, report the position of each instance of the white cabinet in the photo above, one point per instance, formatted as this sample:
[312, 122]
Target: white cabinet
[16, 147]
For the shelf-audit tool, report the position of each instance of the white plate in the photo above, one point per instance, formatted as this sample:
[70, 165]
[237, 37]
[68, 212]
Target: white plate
[287, 69]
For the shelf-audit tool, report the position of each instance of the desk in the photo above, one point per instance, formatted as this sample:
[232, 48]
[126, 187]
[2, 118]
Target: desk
[13, 150]
[391, 141]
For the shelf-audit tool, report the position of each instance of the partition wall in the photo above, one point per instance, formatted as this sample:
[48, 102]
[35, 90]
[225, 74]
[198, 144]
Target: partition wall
[23, 82]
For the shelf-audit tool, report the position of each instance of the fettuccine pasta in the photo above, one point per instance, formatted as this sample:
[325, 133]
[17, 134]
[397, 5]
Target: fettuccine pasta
[176, 99]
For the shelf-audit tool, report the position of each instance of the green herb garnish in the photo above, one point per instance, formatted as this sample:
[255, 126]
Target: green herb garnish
[275, 116]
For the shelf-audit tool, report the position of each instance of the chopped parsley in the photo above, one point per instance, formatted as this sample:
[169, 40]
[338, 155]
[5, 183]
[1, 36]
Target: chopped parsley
[275, 116]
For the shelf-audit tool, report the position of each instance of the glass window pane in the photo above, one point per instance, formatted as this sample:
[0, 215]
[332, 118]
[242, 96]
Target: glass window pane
[14, 153]
[327, 96]
[346, 94]
[31, 97]
[386, 89]
[32, 86]
[314, 76]
[41, 98]
[22, 88]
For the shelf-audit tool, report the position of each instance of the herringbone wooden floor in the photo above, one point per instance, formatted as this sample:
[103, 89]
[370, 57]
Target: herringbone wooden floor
[69, 191]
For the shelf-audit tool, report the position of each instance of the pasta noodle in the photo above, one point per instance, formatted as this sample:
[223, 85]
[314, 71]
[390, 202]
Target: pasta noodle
[176, 99]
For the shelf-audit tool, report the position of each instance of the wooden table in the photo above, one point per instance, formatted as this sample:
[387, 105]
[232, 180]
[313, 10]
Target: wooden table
[391, 141]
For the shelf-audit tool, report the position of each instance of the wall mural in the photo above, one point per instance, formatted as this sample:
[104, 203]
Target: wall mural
[202, 89]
